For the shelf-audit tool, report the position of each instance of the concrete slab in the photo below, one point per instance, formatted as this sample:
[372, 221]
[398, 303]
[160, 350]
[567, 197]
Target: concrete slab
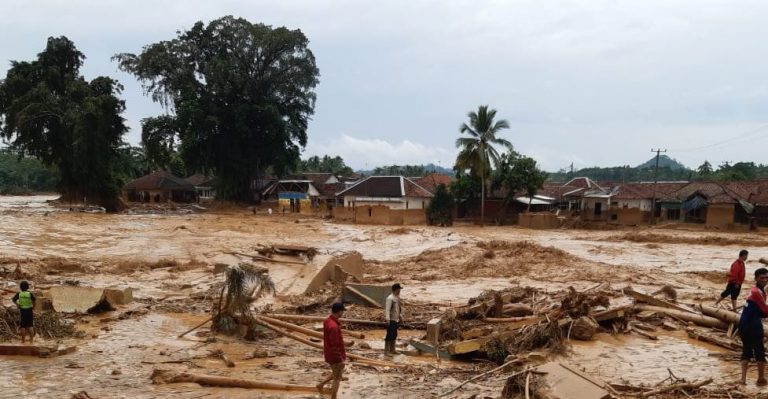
[73, 299]
[566, 382]
[378, 293]
[336, 268]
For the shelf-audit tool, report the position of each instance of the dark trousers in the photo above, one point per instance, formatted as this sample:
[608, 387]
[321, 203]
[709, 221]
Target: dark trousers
[752, 343]
[392, 331]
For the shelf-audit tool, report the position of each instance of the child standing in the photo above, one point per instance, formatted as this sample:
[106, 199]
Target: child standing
[25, 301]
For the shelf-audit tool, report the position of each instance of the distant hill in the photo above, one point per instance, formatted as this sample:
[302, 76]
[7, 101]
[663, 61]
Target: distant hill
[407, 170]
[664, 162]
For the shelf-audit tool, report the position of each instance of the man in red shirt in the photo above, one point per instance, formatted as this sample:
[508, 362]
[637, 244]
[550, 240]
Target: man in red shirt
[333, 348]
[735, 279]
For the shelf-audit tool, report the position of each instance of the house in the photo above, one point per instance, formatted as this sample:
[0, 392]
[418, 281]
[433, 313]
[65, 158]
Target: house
[432, 180]
[393, 200]
[759, 199]
[394, 192]
[316, 177]
[204, 186]
[160, 186]
[715, 204]
[632, 202]
[295, 196]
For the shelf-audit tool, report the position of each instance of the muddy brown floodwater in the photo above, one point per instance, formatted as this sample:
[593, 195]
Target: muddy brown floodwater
[446, 266]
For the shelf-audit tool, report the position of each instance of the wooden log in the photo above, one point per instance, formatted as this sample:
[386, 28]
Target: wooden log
[610, 314]
[364, 297]
[517, 309]
[644, 333]
[170, 377]
[713, 339]
[722, 314]
[640, 297]
[515, 322]
[696, 318]
[303, 330]
[287, 334]
[675, 387]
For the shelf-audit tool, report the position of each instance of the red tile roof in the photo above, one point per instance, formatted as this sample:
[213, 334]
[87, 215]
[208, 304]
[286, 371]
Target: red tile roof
[160, 180]
[432, 180]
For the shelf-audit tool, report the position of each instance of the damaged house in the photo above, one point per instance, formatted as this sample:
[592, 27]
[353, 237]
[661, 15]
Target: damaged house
[384, 200]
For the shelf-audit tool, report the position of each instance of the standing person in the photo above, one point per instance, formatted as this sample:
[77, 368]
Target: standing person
[333, 348]
[25, 301]
[392, 313]
[751, 328]
[735, 279]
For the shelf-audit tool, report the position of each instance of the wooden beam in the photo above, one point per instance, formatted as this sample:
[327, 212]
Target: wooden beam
[300, 329]
[697, 318]
[322, 318]
[170, 377]
[645, 298]
[610, 314]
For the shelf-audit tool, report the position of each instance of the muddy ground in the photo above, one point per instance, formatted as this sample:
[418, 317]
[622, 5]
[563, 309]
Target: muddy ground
[168, 259]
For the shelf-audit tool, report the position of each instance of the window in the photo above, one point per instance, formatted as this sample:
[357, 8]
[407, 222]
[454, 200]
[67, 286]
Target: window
[598, 208]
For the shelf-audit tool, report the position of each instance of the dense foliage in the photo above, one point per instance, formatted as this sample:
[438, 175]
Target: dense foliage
[25, 176]
[241, 96]
[326, 164]
[50, 112]
[517, 173]
[440, 208]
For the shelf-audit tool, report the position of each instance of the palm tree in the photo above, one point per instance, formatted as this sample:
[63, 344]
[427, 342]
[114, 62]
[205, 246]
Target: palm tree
[477, 150]
[243, 284]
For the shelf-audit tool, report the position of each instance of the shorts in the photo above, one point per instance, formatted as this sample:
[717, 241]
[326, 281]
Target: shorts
[26, 318]
[337, 369]
[752, 344]
[731, 289]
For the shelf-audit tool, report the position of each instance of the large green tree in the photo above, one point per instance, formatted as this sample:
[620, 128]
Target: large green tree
[518, 173]
[49, 111]
[241, 95]
[477, 152]
[326, 164]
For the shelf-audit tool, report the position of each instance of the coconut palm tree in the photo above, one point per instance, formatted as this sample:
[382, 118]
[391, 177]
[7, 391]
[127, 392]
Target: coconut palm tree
[243, 284]
[478, 151]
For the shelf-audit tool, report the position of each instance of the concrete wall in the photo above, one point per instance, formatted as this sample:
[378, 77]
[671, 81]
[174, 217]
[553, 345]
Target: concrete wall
[377, 214]
[588, 209]
[417, 203]
[627, 216]
[396, 217]
[538, 220]
[642, 204]
[414, 217]
[343, 214]
[720, 215]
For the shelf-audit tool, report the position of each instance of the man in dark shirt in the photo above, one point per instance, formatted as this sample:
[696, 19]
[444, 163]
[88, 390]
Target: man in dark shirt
[736, 276]
[333, 348]
[25, 301]
[751, 328]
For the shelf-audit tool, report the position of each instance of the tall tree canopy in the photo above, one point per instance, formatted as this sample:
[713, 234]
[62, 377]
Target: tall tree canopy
[326, 164]
[49, 111]
[477, 151]
[241, 95]
[518, 173]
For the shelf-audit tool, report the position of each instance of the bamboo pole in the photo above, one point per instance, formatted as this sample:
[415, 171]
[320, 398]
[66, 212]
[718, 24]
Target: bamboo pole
[296, 317]
[170, 377]
[351, 333]
[696, 318]
[361, 359]
[303, 330]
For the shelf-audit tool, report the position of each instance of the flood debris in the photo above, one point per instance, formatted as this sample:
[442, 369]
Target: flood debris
[169, 377]
[78, 299]
[47, 325]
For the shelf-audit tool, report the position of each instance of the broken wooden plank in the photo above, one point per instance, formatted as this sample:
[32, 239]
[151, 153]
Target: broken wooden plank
[433, 330]
[713, 339]
[641, 297]
[610, 314]
[645, 334]
[427, 348]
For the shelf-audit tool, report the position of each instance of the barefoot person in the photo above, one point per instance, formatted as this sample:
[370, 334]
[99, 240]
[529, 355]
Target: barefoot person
[751, 328]
[392, 313]
[735, 279]
[333, 348]
[25, 301]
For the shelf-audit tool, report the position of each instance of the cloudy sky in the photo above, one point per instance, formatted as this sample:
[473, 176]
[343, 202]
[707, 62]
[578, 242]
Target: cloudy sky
[588, 82]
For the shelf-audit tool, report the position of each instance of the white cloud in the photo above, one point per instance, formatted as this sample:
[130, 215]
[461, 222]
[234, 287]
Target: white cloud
[362, 153]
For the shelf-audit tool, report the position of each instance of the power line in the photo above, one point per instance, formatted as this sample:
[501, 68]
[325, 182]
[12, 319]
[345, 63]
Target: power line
[727, 141]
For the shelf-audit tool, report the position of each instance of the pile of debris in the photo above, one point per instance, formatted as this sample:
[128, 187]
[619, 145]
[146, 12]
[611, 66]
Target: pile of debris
[47, 325]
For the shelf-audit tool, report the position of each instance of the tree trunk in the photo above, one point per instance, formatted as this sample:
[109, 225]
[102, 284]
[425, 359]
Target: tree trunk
[169, 377]
[482, 195]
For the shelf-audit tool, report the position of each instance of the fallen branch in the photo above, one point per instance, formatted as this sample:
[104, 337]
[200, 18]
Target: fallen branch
[195, 327]
[483, 375]
[676, 387]
[170, 377]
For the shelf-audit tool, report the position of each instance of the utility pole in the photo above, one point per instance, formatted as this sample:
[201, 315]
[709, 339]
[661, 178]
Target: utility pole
[571, 170]
[655, 180]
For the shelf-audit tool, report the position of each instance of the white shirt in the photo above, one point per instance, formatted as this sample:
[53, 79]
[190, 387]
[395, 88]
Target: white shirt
[392, 309]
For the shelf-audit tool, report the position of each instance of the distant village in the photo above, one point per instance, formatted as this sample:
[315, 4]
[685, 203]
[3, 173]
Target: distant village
[401, 200]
